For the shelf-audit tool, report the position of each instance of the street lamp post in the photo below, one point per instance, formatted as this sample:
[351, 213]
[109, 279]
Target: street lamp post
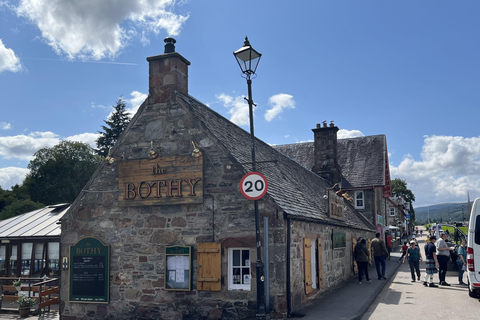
[248, 59]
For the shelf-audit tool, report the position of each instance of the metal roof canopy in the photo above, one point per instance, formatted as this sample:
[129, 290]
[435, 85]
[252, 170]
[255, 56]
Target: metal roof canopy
[38, 223]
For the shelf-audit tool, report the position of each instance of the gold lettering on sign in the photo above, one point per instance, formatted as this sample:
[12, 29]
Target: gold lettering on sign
[88, 250]
[167, 180]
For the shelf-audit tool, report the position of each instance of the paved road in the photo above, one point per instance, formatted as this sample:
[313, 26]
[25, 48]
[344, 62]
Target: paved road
[402, 299]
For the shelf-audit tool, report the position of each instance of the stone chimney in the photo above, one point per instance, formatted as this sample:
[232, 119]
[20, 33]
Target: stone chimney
[167, 73]
[325, 149]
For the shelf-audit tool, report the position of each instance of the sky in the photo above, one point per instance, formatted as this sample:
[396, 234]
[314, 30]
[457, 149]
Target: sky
[405, 69]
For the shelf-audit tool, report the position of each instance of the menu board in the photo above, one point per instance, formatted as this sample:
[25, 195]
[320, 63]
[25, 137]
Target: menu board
[89, 271]
[178, 270]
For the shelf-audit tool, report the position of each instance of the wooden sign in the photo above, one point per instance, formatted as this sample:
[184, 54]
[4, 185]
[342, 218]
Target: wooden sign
[161, 181]
[89, 271]
[336, 206]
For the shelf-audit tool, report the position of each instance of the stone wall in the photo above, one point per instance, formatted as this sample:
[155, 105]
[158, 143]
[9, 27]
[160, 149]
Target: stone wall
[336, 265]
[138, 235]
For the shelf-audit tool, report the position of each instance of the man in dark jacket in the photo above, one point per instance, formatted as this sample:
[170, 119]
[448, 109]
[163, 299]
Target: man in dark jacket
[361, 256]
[379, 251]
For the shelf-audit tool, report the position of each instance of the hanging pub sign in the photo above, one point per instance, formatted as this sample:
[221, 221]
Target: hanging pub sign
[89, 271]
[178, 271]
[161, 181]
[337, 206]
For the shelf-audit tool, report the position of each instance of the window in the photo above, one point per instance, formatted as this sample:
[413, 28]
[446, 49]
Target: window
[3, 256]
[26, 258]
[392, 212]
[239, 269]
[54, 257]
[359, 200]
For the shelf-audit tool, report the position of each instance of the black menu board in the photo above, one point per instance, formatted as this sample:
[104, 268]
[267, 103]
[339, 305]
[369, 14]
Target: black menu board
[89, 271]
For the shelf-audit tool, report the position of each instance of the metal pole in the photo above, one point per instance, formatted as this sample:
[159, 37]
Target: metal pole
[267, 268]
[259, 265]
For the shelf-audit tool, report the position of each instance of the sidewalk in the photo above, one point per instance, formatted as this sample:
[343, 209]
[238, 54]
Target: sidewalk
[351, 300]
[54, 315]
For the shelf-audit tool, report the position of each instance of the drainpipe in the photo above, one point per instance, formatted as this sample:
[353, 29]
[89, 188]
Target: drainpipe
[289, 291]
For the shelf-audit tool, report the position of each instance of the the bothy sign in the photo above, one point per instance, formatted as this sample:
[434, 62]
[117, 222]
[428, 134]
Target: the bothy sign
[89, 271]
[161, 181]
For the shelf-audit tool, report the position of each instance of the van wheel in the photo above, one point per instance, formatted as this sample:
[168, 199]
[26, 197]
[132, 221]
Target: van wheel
[472, 294]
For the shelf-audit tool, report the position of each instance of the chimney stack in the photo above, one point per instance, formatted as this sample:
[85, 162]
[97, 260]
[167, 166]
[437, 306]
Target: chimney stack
[325, 149]
[168, 73]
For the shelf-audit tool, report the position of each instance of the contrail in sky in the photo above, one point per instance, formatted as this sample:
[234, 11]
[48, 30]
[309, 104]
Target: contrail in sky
[84, 61]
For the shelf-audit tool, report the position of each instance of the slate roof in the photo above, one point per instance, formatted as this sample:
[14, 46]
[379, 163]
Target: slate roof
[295, 189]
[38, 223]
[362, 160]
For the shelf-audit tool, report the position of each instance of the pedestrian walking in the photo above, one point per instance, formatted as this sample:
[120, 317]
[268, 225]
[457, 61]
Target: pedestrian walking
[404, 251]
[389, 245]
[414, 257]
[361, 255]
[379, 252]
[462, 261]
[431, 262]
[443, 255]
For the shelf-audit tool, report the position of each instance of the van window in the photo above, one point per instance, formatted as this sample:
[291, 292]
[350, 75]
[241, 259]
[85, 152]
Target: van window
[477, 230]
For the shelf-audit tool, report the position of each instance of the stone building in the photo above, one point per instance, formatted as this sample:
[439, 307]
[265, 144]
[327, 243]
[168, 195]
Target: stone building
[180, 237]
[358, 167]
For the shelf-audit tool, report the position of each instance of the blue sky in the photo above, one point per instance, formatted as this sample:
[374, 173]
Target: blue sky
[406, 69]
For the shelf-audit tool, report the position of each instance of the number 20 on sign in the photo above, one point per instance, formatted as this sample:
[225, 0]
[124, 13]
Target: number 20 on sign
[254, 185]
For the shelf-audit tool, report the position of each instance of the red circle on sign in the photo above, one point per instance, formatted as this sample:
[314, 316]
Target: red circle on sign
[254, 185]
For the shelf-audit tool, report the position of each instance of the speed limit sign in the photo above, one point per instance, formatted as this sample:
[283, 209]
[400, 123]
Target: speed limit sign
[254, 185]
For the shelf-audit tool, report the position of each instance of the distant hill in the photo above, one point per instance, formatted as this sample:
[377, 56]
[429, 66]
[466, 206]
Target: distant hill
[445, 212]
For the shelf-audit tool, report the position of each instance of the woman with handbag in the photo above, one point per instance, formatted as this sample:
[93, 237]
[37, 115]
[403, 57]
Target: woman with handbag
[462, 261]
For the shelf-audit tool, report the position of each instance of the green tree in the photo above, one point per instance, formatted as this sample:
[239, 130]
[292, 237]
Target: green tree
[58, 174]
[399, 189]
[19, 207]
[115, 124]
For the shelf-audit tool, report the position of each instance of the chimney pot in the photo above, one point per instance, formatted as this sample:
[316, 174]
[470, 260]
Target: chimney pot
[332, 124]
[169, 45]
[318, 126]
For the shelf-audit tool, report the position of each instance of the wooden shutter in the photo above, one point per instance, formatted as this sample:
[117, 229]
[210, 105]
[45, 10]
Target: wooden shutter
[320, 268]
[355, 266]
[307, 253]
[209, 266]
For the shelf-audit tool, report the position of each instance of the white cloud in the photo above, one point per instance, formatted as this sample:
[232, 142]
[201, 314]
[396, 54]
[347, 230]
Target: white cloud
[137, 99]
[345, 134]
[97, 29]
[279, 102]
[238, 108]
[8, 60]
[98, 106]
[11, 176]
[88, 138]
[24, 146]
[5, 126]
[448, 169]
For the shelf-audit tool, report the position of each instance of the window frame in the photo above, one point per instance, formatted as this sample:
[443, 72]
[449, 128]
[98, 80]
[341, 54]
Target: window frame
[362, 206]
[230, 267]
[390, 211]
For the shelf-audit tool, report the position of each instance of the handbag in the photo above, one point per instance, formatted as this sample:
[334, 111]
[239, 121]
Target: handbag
[464, 268]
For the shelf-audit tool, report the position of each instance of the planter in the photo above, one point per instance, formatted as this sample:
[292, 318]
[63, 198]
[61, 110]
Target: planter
[24, 312]
[18, 288]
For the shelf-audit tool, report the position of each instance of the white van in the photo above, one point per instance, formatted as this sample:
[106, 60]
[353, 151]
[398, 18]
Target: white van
[473, 251]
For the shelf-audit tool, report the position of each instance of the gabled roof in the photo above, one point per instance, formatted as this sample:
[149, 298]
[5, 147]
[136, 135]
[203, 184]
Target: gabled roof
[362, 160]
[38, 223]
[295, 189]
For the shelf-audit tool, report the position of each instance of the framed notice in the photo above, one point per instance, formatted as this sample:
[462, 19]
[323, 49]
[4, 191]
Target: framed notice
[89, 271]
[178, 268]
[339, 239]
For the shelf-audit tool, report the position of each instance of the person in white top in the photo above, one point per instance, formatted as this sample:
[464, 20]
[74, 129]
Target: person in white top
[443, 254]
